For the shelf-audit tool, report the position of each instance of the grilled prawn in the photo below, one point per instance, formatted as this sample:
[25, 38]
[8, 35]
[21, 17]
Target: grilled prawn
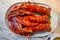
[38, 19]
[19, 12]
[36, 8]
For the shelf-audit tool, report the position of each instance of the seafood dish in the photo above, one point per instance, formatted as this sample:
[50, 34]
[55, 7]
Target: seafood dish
[27, 18]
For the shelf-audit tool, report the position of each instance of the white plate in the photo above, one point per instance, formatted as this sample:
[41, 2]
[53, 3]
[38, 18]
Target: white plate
[54, 21]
